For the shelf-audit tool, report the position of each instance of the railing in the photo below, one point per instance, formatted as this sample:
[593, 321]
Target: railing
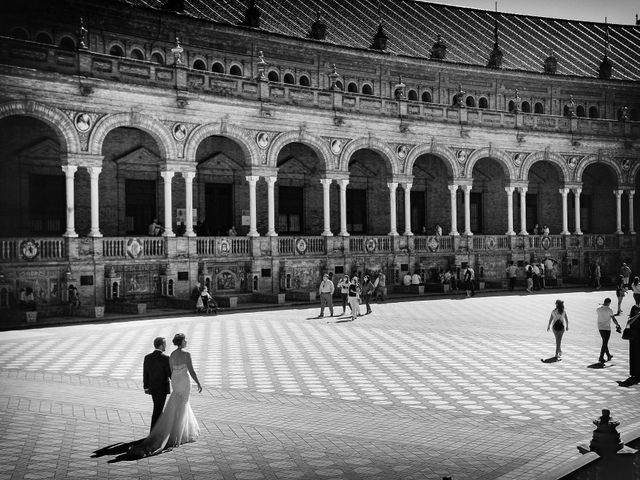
[32, 249]
[437, 243]
[133, 247]
[491, 242]
[546, 242]
[302, 245]
[371, 244]
[223, 246]
[601, 241]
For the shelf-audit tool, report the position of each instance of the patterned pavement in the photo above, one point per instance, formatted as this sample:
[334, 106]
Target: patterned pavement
[416, 390]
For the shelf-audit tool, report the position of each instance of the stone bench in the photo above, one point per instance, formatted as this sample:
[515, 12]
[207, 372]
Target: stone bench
[226, 301]
[126, 307]
[301, 295]
[413, 289]
[437, 287]
[278, 298]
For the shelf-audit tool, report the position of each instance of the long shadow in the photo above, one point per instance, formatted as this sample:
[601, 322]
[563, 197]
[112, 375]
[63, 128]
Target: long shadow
[598, 365]
[629, 382]
[121, 449]
[550, 360]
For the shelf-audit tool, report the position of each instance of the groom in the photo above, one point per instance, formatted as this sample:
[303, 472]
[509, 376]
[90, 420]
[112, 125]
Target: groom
[156, 373]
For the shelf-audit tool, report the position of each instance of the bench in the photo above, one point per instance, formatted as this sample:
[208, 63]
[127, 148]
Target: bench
[126, 307]
[413, 289]
[278, 298]
[301, 295]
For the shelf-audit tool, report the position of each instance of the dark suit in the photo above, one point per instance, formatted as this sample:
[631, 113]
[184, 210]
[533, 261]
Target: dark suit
[156, 373]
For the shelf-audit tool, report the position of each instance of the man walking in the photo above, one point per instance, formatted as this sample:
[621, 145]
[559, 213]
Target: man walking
[156, 373]
[512, 272]
[605, 316]
[326, 295]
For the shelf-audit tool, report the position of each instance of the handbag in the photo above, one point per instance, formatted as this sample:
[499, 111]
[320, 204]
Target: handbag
[627, 334]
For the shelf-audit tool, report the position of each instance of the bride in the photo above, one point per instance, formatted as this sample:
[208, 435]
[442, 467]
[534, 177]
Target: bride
[177, 424]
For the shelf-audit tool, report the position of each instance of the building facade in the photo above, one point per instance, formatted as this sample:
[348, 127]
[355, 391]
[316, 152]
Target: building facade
[272, 144]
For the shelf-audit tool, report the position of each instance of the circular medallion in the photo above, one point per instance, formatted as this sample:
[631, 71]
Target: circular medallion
[83, 122]
[336, 146]
[179, 132]
[573, 163]
[262, 139]
[29, 249]
[517, 159]
[224, 246]
[402, 152]
[546, 243]
[626, 164]
[433, 244]
[301, 245]
[491, 243]
[134, 247]
[600, 241]
[462, 156]
[370, 244]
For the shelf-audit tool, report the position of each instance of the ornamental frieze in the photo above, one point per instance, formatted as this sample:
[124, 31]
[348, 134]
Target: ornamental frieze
[572, 161]
[518, 158]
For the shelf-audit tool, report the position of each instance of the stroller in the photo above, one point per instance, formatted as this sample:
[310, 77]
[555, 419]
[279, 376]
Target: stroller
[206, 303]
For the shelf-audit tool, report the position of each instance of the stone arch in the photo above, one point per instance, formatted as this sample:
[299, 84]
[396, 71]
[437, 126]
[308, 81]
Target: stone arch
[440, 151]
[553, 158]
[56, 119]
[241, 136]
[502, 158]
[135, 120]
[319, 146]
[634, 172]
[591, 159]
[372, 144]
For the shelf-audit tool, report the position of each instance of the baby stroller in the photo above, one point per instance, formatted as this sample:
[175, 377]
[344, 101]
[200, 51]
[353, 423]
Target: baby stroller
[208, 303]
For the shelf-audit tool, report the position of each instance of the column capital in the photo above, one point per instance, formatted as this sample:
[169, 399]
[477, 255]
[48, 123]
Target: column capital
[270, 180]
[453, 188]
[467, 188]
[523, 190]
[167, 174]
[326, 182]
[69, 169]
[577, 190]
[392, 185]
[509, 190]
[631, 193]
[189, 175]
[83, 159]
[564, 191]
[618, 192]
[94, 171]
[252, 178]
[343, 182]
[407, 186]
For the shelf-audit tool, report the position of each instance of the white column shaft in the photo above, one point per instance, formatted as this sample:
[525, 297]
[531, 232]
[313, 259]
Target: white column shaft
[509, 191]
[392, 208]
[523, 211]
[253, 231]
[188, 189]
[168, 207]
[69, 172]
[94, 175]
[576, 195]
[407, 208]
[326, 206]
[467, 209]
[343, 207]
[454, 210]
[618, 194]
[271, 206]
[565, 211]
[631, 226]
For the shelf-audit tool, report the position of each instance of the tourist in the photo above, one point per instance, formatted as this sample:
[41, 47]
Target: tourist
[415, 279]
[605, 317]
[354, 294]
[155, 229]
[381, 286]
[469, 281]
[367, 291]
[545, 230]
[635, 289]
[632, 333]
[326, 290]
[232, 232]
[528, 272]
[625, 271]
[438, 230]
[597, 274]
[343, 285]
[406, 280]
[559, 322]
[512, 273]
[621, 290]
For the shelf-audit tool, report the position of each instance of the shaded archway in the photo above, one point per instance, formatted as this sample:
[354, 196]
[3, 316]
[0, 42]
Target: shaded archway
[597, 201]
[543, 200]
[488, 202]
[429, 195]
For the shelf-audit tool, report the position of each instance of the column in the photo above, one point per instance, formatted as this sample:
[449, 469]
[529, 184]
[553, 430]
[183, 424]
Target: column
[252, 179]
[343, 207]
[467, 209]
[392, 208]
[168, 217]
[407, 208]
[618, 194]
[454, 210]
[188, 188]
[271, 205]
[523, 210]
[509, 191]
[69, 173]
[94, 175]
[576, 194]
[631, 193]
[326, 207]
[565, 211]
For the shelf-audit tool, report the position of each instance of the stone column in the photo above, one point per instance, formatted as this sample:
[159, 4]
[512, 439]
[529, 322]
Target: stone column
[69, 172]
[343, 207]
[467, 209]
[576, 194]
[188, 188]
[94, 175]
[454, 210]
[326, 206]
[618, 194]
[509, 191]
[565, 211]
[271, 206]
[392, 208]
[407, 208]
[168, 217]
[631, 193]
[523, 211]
[252, 179]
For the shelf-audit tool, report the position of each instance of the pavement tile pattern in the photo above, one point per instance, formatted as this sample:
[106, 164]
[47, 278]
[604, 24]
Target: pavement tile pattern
[416, 390]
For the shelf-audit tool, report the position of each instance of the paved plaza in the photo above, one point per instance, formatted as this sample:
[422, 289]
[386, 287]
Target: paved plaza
[417, 390]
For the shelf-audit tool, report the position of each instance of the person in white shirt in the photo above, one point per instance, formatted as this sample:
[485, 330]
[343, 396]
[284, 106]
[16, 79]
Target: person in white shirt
[406, 280]
[605, 317]
[415, 279]
[326, 290]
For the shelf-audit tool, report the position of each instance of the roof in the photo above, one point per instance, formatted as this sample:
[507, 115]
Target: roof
[412, 27]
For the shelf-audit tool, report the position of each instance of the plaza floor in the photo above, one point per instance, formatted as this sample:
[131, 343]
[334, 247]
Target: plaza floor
[416, 390]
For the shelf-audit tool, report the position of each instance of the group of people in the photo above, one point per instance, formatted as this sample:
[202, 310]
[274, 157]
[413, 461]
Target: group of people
[352, 292]
[534, 273]
[544, 231]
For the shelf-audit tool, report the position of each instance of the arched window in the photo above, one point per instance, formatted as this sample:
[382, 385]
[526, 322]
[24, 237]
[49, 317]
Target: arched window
[566, 111]
[273, 76]
[580, 111]
[217, 68]
[235, 70]
[339, 85]
[426, 97]
[288, 78]
[470, 101]
[136, 54]
[67, 43]
[538, 108]
[304, 81]
[526, 107]
[512, 106]
[44, 37]
[483, 102]
[20, 33]
[199, 65]
[367, 89]
[412, 95]
[116, 51]
[157, 57]
[352, 87]
[593, 112]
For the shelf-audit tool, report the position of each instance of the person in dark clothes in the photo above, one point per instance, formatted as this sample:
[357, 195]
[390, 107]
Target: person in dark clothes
[156, 373]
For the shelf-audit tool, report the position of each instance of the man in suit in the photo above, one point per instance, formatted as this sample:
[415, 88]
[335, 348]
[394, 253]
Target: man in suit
[156, 373]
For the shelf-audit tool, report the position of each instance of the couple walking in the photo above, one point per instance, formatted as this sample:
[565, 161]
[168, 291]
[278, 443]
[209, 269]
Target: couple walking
[174, 423]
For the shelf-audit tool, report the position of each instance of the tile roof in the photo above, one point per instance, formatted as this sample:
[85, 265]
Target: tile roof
[413, 25]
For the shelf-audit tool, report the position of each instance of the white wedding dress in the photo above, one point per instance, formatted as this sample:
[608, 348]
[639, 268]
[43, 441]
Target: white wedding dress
[177, 424]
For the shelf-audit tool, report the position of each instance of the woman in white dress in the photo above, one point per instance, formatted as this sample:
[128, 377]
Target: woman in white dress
[177, 424]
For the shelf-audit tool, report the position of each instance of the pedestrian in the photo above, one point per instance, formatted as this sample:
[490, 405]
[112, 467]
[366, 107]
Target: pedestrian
[632, 333]
[74, 300]
[597, 274]
[621, 290]
[528, 272]
[545, 230]
[536, 276]
[559, 322]
[536, 229]
[155, 229]
[512, 273]
[381, 287]
[543, 282]
[605, 317]
[326, 290]
[343, 285]
[354, 293]
[195, 297]
[635, 289]
[208, 303]
[367, 291]
[415, 278]
[438, 230]
[469, 281]
[156, 373]
[625, 271]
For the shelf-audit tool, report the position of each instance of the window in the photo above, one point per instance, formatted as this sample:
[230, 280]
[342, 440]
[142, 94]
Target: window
[157, 58]
[288, 79]
[136, 54]
[339, 85]
[470, 101]
[593, 112]
[67, 43]
[352, 87]
[412, 95]
[539, 108]
[116, 51]
[367, 89]
[304, 81]
[426, 97]
[44, 37]
[199, 65]
[273, 76]
[483, 102]
[512, 106]
[217, 68]
[526, 107]
[235, 70]
[580, 111]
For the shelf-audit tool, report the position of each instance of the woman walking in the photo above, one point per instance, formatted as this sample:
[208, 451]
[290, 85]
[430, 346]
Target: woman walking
[621, 290]
[343, 285]
[559, 322]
